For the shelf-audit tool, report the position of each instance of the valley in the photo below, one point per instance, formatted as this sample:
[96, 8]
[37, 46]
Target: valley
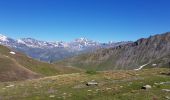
[134, 71]
[84, 50]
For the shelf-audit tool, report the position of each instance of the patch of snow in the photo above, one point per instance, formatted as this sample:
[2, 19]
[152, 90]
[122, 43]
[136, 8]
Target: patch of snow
[12, 52]
[141, 67]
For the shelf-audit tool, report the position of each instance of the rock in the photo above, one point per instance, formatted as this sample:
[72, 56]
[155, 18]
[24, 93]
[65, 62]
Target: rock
[92, 83]
[146, 87]
[165, 82]
[166, 90]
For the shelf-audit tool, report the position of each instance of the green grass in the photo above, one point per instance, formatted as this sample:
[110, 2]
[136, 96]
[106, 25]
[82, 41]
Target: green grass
[113, 85]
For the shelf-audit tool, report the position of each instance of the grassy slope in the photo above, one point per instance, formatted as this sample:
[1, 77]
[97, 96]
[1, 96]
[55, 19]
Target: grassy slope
[19, 66]
[85, 62]
[161, 61]
[11, 71]
[90, 61]
[113, 85]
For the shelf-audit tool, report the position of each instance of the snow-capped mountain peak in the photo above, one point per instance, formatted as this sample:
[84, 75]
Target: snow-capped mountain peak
[30, 42]
[20, 41]
[111, 42]
[81, 40]
[52, 51]
[3, 38]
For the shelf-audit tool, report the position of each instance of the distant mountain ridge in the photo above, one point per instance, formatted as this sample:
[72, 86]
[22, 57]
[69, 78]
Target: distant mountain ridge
[54, 51]
[151, 52]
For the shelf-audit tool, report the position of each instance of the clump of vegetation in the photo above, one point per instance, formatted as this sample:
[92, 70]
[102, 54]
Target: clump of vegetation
[91, 72]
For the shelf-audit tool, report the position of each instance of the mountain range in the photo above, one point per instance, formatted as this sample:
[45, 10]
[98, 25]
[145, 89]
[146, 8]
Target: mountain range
[153, 51]
[54, 51]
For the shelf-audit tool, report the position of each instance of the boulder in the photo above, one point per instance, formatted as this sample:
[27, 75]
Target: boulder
[92, 83]
[146, 87]
[166, 90]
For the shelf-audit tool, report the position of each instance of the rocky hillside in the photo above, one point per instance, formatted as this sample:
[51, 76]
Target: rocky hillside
[153, 51]
[17, 66]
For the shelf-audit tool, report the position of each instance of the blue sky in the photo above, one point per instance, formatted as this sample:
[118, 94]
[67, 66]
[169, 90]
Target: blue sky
[100, 20]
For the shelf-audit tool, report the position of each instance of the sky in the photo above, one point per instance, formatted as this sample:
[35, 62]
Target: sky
[99, 20]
